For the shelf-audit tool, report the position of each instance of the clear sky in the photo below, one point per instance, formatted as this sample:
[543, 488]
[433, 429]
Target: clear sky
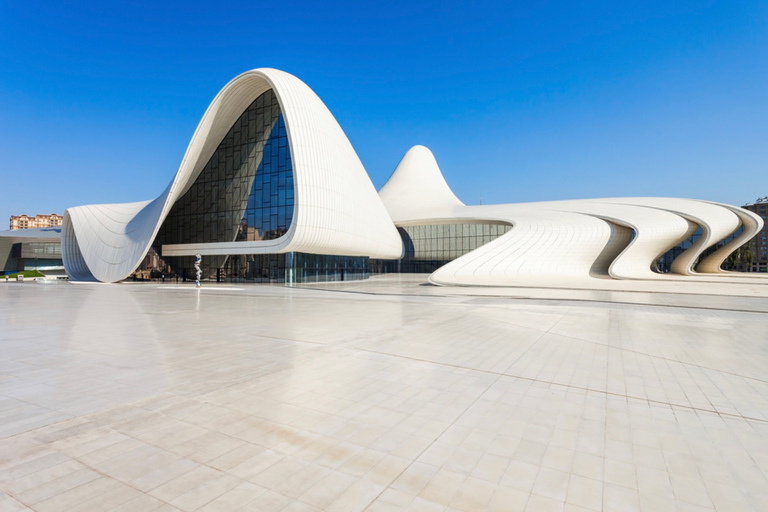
[519, 101]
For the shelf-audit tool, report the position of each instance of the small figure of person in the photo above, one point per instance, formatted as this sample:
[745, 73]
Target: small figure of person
[163, 277]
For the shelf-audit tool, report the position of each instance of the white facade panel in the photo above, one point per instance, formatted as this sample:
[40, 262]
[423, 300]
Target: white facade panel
[336, 208]
[338, 212]
[561, 242]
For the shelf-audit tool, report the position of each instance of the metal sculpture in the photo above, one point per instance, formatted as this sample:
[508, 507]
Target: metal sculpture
[198, 272]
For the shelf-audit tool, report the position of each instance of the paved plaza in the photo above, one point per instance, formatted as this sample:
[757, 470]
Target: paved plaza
[382, 395]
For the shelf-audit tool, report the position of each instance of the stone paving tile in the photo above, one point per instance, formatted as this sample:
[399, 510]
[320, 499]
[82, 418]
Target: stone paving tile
[133, 397]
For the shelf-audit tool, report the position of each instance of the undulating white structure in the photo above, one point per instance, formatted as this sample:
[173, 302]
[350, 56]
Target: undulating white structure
[336, 210]
[270, 172]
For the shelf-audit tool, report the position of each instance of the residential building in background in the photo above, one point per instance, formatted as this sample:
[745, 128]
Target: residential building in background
[38, 221]
[759, 244]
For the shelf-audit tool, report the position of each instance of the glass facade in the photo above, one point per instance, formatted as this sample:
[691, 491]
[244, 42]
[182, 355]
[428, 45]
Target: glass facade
[664, 263]
[312, 268]
[44, 250]
[430, 246]
[34, 255]
[292, 267]
[728, 263]
[244, 193]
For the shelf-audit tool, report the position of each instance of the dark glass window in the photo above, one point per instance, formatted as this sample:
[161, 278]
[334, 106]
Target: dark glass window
[244, 192]
[664, 263]
[276, 268]
[430, 246]
[48, 250]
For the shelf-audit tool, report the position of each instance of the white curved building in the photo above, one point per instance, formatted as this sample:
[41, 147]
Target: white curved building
[330, 206]
[271, 186]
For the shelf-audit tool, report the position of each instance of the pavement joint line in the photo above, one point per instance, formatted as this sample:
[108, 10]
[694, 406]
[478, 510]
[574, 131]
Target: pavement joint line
[652, 388]
[435, 439]
[568, 299]
[623, 349]
[683, 363]
[528, 297]
[228, 289]
[570, 386]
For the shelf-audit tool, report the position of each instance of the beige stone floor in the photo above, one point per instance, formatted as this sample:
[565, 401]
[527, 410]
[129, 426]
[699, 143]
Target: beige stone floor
[669, 290]
[377, 396]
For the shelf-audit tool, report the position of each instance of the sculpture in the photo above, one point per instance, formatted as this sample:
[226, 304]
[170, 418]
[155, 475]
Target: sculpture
[198, 272]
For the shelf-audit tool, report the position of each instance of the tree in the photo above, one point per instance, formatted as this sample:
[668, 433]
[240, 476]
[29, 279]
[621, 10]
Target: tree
[733, 259]
[748, 256]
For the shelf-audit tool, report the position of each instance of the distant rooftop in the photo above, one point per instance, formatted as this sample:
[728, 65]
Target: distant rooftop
[24, 221]
[47, 232]
[759, 200]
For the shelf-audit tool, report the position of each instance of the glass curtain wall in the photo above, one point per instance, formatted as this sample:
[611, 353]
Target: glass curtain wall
[429, 247]
[292, 267]
[664, 263]
[36, 255]
[245, 192]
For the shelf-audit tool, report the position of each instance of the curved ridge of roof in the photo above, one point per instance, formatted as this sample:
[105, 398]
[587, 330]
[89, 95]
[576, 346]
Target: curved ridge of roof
[336, 208]
[417, 188]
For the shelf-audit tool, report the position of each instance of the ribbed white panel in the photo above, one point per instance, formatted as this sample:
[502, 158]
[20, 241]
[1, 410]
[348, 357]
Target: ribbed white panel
[564, 240]
[108, 239]
[76, 267]
[655, 232]
[338, 212]
[336, 209]
[543, 246]
[557, 242]
[715, 221]
[417, 188]
[752, 224]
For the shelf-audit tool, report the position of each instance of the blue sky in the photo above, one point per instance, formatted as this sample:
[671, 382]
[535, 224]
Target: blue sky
[519, 101]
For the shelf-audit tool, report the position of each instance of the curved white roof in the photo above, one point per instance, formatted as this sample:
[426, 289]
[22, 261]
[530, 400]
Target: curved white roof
[337, 211]
[561, 242]
[417, 187]
[336, 208]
